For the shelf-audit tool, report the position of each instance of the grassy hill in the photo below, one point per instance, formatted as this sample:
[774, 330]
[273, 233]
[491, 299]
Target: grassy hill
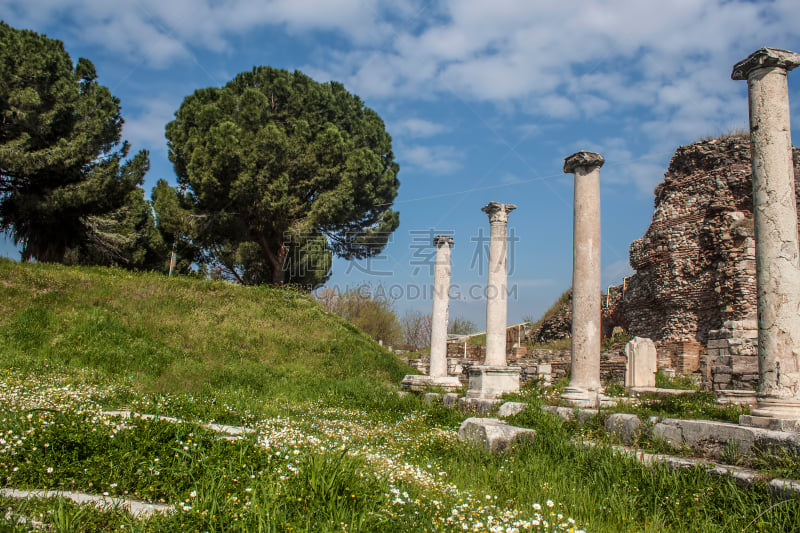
[183, 335]
[325, 443]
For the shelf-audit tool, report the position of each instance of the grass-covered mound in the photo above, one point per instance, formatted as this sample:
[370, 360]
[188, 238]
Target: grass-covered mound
[182, 335]
[329, 447]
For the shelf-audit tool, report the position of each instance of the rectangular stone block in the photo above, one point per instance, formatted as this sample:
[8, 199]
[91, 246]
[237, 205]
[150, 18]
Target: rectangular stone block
[641, 366]
[773, 424]
[744, 365]
[492, 381]
[719, 370]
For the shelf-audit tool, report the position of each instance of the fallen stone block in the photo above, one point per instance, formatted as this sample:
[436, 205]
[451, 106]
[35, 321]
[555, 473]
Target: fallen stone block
[136, 508]
[420, 383]
[785, 488]
[431, 397]
[494, 435]
[480, 405]
[626, 427]
[450, 399]
[564, 413]
[702, 434]
[570, 413]
[585, 414]
[511, 408]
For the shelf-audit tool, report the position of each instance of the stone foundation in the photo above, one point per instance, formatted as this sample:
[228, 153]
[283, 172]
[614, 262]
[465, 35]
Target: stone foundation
[732, 359]
[489, 382]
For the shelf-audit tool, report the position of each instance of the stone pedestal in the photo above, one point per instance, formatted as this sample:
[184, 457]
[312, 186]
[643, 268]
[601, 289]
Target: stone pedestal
[584, 386]
[640, 369]
[493, 378]
[490, 382]
[441, 304]
[419, 383]
[775, 217]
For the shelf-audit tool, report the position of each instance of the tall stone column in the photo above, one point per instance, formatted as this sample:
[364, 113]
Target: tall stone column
[775, 216]
[584, 385]
[437, 372]
[497, 285]
[441, 303]
[493, 378]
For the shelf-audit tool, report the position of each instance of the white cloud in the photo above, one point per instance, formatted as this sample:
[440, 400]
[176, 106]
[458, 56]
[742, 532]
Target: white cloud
[434, 159]
[144, 126]
[418, 127]
[666, 63]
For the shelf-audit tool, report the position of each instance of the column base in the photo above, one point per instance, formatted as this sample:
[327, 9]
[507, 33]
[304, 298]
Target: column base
[492, 381]
[579, 397]
[418, 383]
[774, 413]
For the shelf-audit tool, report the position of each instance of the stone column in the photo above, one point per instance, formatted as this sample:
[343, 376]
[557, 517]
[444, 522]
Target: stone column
[489, 381]
[775, 216]
[496, 287]
[441, 303]
[584, 386]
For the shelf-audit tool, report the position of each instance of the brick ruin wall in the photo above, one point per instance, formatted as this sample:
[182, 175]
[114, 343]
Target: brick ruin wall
[694, 290]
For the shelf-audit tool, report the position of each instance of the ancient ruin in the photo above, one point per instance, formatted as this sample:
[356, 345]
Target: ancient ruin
[641, 357]
[438, 371]
[776, 241]
[494, 377]
[441, 304]
[694, 290]
[584, 386]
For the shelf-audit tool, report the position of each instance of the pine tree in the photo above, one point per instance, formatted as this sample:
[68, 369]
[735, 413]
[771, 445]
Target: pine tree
[286, 172]
[63, 168]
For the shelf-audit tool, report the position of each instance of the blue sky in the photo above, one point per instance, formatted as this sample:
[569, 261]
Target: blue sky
[483, 100]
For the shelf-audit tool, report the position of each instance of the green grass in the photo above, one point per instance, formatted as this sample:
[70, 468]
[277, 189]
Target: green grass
[333, 447]
[618, 339]
[697, 405]
[181, 334]
[478, 339]
[678, 382]
[557, 344]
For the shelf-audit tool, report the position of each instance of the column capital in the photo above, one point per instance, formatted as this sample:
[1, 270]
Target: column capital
[590, 160]
[442, 239]
[498, 212]
[762, 58]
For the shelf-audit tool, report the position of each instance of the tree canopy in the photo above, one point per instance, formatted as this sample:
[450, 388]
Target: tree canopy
[63, 170]
[286, 172]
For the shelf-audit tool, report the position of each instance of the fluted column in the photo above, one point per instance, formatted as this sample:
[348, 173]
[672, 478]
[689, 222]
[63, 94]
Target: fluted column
[496, 287]
[584, 386]
[775, 217]
[441, 304]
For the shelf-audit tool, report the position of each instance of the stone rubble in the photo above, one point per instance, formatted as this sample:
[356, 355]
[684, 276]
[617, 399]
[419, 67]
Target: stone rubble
[494, 435]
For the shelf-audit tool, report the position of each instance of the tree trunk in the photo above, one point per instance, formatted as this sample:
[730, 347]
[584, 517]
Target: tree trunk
[278, 274]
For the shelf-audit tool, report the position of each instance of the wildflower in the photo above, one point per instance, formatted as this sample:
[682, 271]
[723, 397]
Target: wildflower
[193, 494]
[49, 469]
[537, 507]
[550, 503]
